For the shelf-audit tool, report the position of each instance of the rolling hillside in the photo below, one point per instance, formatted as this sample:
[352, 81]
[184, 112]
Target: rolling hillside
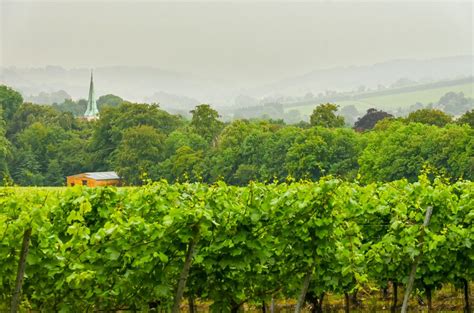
[392, 102]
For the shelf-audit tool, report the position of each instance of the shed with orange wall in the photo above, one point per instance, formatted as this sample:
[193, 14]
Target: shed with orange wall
[94, 179]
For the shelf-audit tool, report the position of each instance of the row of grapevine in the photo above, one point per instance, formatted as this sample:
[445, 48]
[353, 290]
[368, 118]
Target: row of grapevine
[139, 248]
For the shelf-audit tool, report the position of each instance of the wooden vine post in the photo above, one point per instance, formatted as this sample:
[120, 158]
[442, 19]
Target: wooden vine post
[191, 304]
[347, 303]
[304, 290]
[16, 296]
[467, 306]
[411, 278]
[185, 270]
[395, 297]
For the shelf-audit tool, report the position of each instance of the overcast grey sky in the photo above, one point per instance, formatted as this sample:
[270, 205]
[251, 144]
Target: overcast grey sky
[255, 41]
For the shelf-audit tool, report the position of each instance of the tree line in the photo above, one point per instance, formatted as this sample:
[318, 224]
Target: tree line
[41, 145]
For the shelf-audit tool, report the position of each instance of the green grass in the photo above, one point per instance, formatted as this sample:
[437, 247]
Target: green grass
[400, 100]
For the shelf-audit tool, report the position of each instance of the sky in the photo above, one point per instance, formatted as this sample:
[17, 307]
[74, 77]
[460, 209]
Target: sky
[231, 41]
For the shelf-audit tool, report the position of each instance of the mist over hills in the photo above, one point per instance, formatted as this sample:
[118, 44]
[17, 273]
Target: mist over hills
[183, 90]
[133, 83]
[371, 76]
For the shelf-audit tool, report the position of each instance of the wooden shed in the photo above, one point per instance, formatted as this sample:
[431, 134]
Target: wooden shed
[94, 179]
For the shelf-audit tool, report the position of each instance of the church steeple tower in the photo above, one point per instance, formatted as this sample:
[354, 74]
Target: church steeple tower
[92, 112]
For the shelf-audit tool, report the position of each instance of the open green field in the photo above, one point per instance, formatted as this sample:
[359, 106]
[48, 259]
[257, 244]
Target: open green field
[398, 100]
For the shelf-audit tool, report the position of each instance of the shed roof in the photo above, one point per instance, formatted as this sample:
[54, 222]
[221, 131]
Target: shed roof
[99, 175]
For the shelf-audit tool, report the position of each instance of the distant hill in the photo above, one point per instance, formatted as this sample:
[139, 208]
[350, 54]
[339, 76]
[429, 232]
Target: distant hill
[182, 90]
[394, 100]
[134, 83]
[47, 97]
[376, 76]
[173, 103]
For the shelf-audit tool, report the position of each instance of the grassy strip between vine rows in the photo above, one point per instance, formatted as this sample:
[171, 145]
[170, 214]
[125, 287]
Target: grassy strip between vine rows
[126, 248]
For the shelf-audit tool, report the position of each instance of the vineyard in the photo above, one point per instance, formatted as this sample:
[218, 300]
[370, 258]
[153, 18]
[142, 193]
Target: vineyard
[163, 245]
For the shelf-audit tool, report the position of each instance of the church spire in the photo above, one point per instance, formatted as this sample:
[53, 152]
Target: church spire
[92, 112]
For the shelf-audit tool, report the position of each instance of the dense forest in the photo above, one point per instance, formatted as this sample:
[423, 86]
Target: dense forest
[41, 145]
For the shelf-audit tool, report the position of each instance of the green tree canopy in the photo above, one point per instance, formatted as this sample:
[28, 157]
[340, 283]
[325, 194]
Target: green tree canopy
[321, 151]
[183, 137]
[132, 160]
[430, 117]
[372, 117]
[205, 122]
[35, 151]
[184, 153]
[274, 152]
[324, 115]
[114, 121]
[185, 164]
[109, 100]
[77, 108]
[10, 101]
[401, 151]
[240, 142]
[467, 118]
[28, 114]
[4, 150]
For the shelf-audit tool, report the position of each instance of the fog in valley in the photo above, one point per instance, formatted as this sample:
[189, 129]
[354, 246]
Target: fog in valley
[233, 55]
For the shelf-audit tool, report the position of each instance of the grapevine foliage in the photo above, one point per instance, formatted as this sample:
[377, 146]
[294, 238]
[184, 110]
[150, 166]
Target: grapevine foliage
[125, 248]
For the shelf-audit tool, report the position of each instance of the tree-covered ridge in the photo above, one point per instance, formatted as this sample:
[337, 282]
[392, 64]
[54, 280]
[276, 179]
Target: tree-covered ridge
[127, 248]
[40, 145]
